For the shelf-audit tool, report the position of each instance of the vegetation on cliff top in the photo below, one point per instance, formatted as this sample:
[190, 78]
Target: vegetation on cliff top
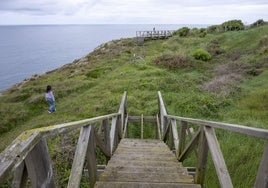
[230, 86]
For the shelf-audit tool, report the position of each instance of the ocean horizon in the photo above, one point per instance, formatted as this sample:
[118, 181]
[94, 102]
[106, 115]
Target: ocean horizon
[27, 50]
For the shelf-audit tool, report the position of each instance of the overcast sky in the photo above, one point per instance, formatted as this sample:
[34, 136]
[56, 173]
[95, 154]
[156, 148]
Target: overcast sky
[131, 11]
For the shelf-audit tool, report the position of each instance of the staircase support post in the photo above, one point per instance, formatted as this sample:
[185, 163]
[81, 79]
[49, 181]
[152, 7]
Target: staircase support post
[262, 176]
[202, 158]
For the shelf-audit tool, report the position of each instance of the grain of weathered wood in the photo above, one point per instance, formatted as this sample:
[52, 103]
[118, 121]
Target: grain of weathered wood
[202, 158]
[162, 113]
[250, 131]
[39, 166]
[137, 119]
[143, 185]
[20, 176]
[79, 158]
[113, 134]
[144, 162]
[91, 158]
[182, 136]
[190, 147]
[141, 126]
[262, 176]
[217, 157]
[175, 137]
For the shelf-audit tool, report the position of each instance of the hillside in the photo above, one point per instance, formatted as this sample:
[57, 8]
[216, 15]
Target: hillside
[230, 87]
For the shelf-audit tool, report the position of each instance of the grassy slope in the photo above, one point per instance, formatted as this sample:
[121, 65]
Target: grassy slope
[95, 87]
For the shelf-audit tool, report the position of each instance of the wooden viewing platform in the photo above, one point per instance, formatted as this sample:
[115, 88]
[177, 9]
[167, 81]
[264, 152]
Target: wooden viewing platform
[155, 162]
[144, 163]
[155, 34]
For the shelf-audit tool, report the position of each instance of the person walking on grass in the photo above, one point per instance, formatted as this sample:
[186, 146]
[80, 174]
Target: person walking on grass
[50, 99]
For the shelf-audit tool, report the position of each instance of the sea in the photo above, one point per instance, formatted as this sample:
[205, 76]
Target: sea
[27, 50]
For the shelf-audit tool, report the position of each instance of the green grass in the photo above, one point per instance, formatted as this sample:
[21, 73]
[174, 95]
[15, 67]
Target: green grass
[94, 87]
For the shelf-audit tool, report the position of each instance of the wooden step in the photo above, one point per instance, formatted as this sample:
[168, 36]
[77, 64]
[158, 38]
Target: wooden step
[143, 185]
[144, 163]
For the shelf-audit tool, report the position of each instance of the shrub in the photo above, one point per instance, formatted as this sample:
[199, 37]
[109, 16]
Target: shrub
[258, 23]
[202, 55]
[233, 25]
[214, 29]
[202, 32]
[264, 41]
[183, 32]
[172, 61]
[214, 47]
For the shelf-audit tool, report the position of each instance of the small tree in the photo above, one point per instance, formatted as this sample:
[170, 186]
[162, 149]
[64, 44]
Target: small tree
[233, 25]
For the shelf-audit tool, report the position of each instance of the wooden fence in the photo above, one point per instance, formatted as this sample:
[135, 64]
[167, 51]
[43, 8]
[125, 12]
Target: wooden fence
[206, 140]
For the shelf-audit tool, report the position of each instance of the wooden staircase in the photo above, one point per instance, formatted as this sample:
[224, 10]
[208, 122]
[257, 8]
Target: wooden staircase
[144, 163]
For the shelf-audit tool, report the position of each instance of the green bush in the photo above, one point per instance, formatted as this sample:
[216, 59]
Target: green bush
[183, 32]
[233, 25]
[202, 55]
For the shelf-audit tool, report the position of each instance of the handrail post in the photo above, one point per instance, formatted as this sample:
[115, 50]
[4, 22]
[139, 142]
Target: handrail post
[202, 158]
[262, 176]
[162, 113]
[182, 137]
[122, 110]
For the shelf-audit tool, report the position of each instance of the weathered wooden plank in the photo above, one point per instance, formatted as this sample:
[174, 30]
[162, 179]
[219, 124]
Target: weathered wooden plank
[79, 158]
[39, 166]
[144, 185]
[125, 134]
[146, 177]
[20, 176]
[113, 134]
[175, 137]
[159, 128]
[17, 151]
[262, 176]
[217, 157]
[147, 169]
[182, 137]
[91, 158]
[202, 158]
[102, 147]
[122, 111]
[250, 131]
[137, 119]
[162, 113]
[141, 126]
[190, 147]
[106, 130]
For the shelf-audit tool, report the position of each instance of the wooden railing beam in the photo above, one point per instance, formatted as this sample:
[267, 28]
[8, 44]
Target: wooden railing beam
[245, 130]
[190, 147]
[217, 157]
[79, 158]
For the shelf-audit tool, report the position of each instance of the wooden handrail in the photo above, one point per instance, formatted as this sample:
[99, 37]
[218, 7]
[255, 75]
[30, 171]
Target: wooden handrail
[206, 139]
[250, 131]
